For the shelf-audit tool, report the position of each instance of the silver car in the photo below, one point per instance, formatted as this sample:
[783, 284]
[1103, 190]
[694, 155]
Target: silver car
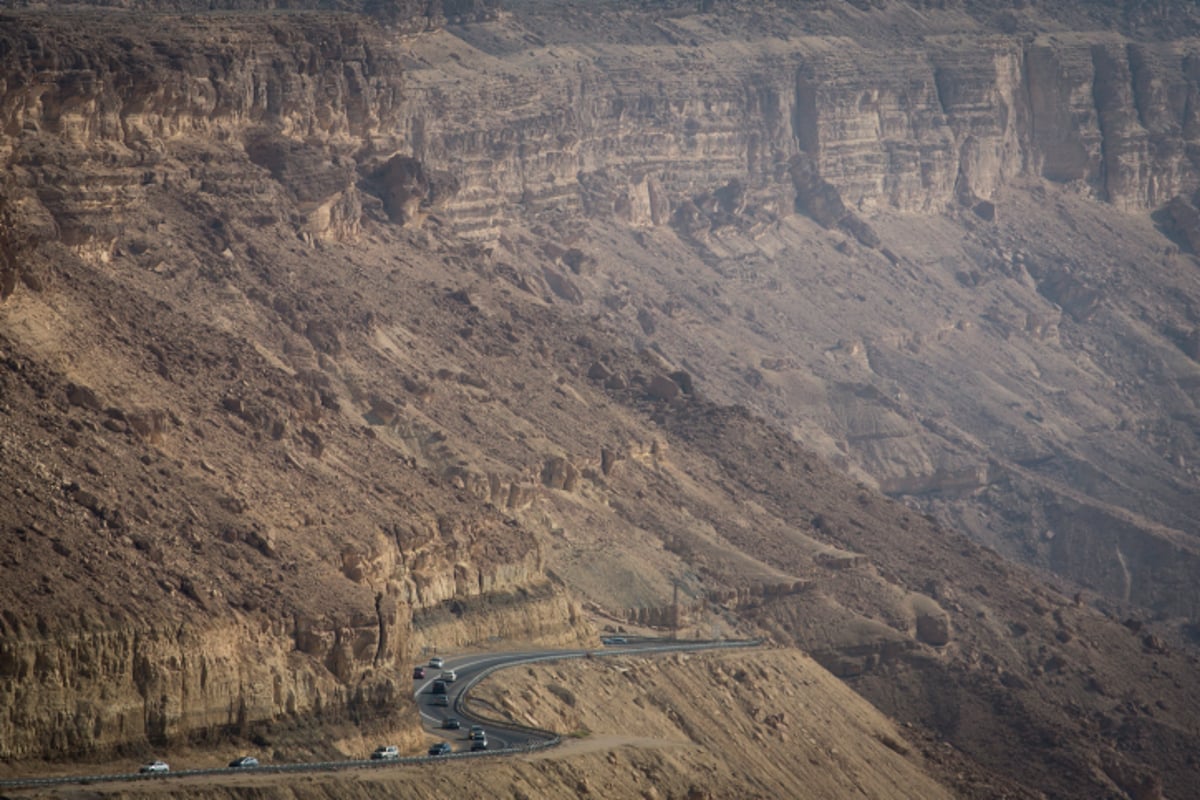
[386, 752]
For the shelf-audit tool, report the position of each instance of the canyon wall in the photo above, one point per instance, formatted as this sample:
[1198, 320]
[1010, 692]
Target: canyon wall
[105, 687]
[914, 132]
[924, 128]
[301, 121]
[408, 16]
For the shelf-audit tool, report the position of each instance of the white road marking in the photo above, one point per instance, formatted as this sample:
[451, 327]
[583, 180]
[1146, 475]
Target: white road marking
[464, 665]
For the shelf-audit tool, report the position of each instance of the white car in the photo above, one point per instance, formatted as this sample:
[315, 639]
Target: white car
[448, 675]
[436, 662]
[154, 768]
[386, 752]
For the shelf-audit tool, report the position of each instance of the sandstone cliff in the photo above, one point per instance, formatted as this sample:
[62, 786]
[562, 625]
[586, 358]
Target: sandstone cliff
[326, 344]
[408, 16]
[859, 142]
[950, 120]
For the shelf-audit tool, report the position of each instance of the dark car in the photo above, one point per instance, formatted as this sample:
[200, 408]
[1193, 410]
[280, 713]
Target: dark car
[244, 761]
[479, 744]
[477, 732]
[418, 672]
[441, 749]
[451, 723]
[439, 687]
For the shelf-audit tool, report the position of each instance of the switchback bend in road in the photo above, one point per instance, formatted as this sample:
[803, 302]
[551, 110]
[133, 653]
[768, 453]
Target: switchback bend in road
[503, 737]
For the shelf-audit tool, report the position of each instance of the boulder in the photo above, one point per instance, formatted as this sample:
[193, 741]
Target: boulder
[663, 388]
[562, 286]
[1182, 221]
[148, 423]
[598, 372]
[558, 473]
[83, 396]
[933, 629]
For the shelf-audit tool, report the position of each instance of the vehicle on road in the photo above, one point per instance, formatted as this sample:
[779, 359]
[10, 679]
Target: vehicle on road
[449, 675]
[386, 752]
[154, 768]
[477, 732]
[441, 749]
[479, 744]
[438, 687]
[613, 640]
[244, 762]
[418, 673]
[436, 662]
[451, 723]
[442, 700]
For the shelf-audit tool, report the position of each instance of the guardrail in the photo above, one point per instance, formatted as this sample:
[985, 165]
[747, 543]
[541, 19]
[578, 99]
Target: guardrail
[549, 738]
[545, 738]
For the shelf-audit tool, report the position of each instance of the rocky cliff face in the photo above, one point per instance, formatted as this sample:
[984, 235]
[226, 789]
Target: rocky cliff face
[102, 687]
[957, 122]
[725, 143]
[198, 610]
[951, 121]
[87, 100]
[408, 16]
[326, 345]
[158, 119]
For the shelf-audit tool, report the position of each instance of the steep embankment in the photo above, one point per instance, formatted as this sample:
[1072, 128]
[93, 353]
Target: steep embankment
[673, 717]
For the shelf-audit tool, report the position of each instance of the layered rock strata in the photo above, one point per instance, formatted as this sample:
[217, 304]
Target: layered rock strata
[315, 126]
[955, 123]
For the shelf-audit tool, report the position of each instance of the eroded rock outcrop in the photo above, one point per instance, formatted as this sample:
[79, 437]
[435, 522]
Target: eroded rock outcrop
[161, 685]
[296, 115]
[953, 124]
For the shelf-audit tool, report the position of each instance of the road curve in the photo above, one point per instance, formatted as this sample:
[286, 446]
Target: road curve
[502, 737]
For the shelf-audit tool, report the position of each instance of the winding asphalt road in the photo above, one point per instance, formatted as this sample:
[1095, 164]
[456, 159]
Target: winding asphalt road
[469, 669]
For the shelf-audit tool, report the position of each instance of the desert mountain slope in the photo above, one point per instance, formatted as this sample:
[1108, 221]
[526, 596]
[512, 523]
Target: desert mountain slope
[327, 340]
